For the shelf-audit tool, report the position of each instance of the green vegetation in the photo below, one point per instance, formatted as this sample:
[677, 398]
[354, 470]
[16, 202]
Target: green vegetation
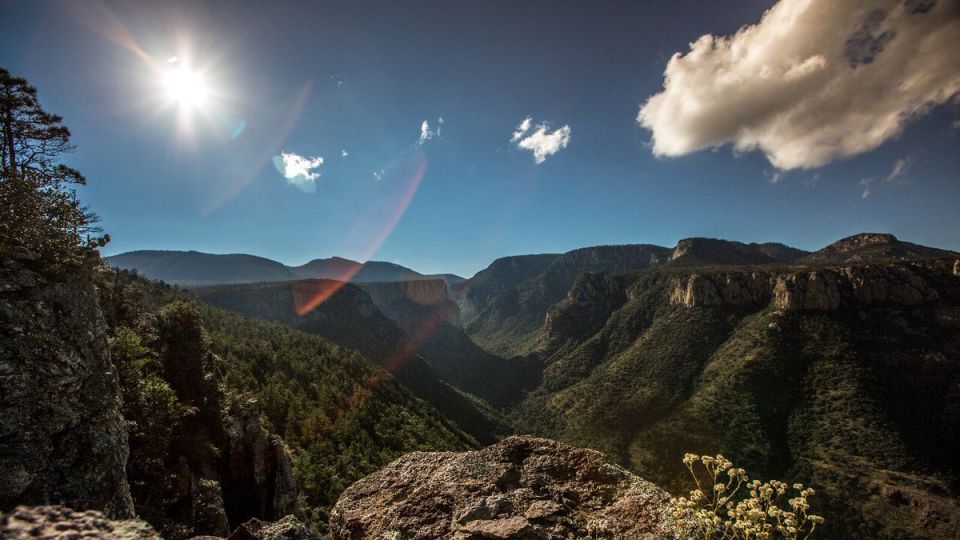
[341, 416]
[726, 504]
[38, 209]
[860, 403]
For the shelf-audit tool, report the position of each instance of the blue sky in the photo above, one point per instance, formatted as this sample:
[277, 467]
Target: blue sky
[315, 79]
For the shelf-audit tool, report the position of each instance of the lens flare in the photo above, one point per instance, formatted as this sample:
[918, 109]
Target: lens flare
[410, 172]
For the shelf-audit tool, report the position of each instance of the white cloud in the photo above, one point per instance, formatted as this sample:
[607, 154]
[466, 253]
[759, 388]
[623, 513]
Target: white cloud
[378, 175]
[521, 129]
[542, 142]
[813, 81]
[344, 153]
[866, 183]
[299, 170]
[426, 133]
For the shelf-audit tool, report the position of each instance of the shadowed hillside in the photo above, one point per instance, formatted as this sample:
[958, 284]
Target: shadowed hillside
[349, 318]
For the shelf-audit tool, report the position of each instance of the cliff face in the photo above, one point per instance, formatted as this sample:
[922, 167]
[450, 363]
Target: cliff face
[504, 311]
[522, 487]
[62, 436]
[821, 289]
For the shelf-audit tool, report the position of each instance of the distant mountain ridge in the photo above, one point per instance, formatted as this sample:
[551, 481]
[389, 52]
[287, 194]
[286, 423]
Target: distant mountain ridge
[195, 268]
[504, 306]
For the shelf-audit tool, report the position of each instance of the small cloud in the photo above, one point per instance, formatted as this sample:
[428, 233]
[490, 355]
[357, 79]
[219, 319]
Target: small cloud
[775, 177]
[812, 181]
[378, 175]
[900, 168]
[541, 141]
[521, 129]
[427, 133]
[344, 153]
[866, 183]
[299, 170]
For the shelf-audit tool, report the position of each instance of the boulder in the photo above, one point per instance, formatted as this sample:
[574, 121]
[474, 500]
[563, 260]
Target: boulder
[27, 522]
[288, 528]
[522, 487]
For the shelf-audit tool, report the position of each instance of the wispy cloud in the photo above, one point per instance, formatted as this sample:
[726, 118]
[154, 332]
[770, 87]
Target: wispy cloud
[378, 175]
[521, 129]
[900, 168]
[299, 171]
[784, 85]
[541, 141]
[344, 153]
[897, 175]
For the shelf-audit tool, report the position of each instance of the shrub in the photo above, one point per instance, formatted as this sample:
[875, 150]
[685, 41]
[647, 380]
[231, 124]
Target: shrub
[726, 504]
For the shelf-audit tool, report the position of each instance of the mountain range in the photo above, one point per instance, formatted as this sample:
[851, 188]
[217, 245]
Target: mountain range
[194, 268]
[838, 368]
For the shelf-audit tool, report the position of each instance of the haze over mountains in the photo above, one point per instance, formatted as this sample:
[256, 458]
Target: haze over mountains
[194, 268]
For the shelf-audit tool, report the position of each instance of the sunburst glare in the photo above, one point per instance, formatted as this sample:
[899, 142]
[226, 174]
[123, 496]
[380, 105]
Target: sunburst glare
[185, 88]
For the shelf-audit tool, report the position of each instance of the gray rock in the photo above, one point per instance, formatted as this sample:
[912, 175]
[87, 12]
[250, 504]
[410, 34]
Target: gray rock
[522, 487]
[62, 435]
[26, 522]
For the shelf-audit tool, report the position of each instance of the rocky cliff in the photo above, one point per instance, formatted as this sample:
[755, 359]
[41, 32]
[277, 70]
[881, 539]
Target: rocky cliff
[62, 436]
[522, 487]
[822, 288]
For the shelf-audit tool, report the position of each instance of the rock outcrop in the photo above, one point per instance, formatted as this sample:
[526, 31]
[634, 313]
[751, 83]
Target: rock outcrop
[287, 528]
[259, 467]
[865, 247]
[699, 290]
[522, 487]
[62, 435]
[60, 522]
[826, 289]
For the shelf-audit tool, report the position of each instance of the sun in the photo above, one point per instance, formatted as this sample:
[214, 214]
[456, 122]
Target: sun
[185, 87]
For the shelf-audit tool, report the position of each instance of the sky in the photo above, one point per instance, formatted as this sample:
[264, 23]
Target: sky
[443, 135]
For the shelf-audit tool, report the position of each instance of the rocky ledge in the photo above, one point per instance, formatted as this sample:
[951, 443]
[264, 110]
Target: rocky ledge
[26, 522]
[522, 487]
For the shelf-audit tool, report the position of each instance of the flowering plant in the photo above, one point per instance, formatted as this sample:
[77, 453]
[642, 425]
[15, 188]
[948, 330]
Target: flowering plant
[726, 504]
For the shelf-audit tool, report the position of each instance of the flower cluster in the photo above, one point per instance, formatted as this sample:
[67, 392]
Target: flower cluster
[726, 504]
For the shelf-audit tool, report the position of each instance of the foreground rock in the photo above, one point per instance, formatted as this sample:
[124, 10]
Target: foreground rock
[288, 528]
[522, 487]
[62, 522]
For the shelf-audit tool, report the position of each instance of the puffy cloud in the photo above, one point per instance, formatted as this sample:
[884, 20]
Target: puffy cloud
[299, 170]
[541, 141]
[344, 153]
[813, 81]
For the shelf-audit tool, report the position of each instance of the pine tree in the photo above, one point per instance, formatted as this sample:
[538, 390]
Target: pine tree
[39, 209]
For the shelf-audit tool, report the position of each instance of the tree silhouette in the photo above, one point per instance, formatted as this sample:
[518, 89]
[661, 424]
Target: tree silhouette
[38, 208]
